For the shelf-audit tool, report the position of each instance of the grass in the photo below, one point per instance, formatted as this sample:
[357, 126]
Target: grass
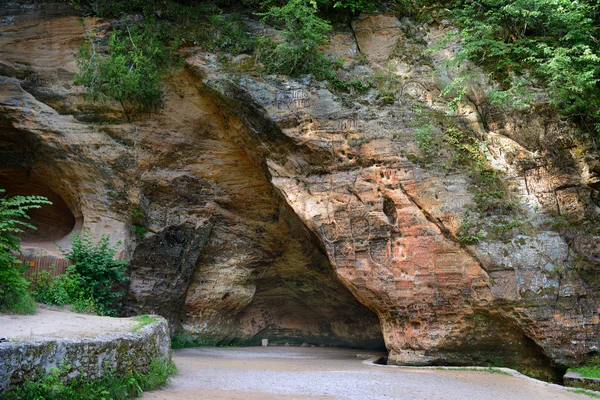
[490, 370]
[127, 386]
[585, 392]
[588, 371]
[142, 321]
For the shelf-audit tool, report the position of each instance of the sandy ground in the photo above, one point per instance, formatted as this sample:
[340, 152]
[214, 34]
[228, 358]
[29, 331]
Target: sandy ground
[53, 323]
[288, 373]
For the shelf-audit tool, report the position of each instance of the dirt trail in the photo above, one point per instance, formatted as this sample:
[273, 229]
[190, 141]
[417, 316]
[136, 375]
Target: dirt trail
[322, 373]
[52, 323]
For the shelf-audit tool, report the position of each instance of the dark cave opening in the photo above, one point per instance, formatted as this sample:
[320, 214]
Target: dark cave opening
[310, 310]
[53, 222]
[300, 300]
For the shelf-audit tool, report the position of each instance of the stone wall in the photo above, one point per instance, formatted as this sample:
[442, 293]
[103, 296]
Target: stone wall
[573, 379]
[94, 358]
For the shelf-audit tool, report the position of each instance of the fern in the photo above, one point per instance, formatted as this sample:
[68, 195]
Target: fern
[13, 220]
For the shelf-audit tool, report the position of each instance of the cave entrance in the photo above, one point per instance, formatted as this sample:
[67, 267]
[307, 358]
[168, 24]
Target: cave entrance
[54, 222]
[299, 300]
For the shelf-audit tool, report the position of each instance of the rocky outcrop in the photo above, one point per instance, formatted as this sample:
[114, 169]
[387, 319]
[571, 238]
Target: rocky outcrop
[161, 270]
[278, 208]
[379, 185]
[216, 251]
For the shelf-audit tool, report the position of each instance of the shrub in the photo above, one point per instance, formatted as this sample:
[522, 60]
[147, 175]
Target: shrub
[182, 341]
[526, 42]
[303, 31]
[227, 33]
[55, 385]
[131, 70]
[59, 290]
[97, 274]
[14, 295]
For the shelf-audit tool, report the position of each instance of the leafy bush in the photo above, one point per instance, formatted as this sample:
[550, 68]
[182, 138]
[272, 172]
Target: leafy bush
[56, 290]
[131, 384]
[131, 70]
[91, 282]
[49, 290]
[524, 42]
[227, 33]
[14, 295]
[303, 31]
[182, 341]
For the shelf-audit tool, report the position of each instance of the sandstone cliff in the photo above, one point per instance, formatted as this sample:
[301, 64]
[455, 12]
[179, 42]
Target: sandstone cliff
[277, 208]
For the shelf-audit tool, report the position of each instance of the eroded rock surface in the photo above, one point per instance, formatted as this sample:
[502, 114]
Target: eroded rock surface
[213, 247]
[296, 213]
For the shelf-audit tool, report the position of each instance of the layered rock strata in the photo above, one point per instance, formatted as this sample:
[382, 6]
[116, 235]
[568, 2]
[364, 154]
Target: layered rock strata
[276, 207]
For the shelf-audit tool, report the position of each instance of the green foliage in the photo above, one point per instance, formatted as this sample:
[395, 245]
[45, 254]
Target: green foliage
[142, 321]
[471, 239]
[131, 70]
[523, 42]
[424, 135]
[386, 97]
[185, 341]
[303, 31]
[97, 273]
[457, 90]
[585, 392]
[137, 222]
[59, 290]
[14, 295]
[490, 198]
[590, 370]
[227, 33]
[420, 10]
[140, 231]
[510, 226]
[465, 230]
[424, 131]
[71, 288]
[387, 84]
[342, 10]
[137, 214]
[56, 386]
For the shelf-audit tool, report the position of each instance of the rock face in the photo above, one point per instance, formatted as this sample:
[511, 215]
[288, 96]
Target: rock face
[223, 257]
[275, 208]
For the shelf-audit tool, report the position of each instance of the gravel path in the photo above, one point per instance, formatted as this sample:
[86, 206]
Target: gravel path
[52, 323]
[323, 373]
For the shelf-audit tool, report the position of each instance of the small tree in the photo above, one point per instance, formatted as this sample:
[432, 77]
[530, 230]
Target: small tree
[97, 272]
[13, 285]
